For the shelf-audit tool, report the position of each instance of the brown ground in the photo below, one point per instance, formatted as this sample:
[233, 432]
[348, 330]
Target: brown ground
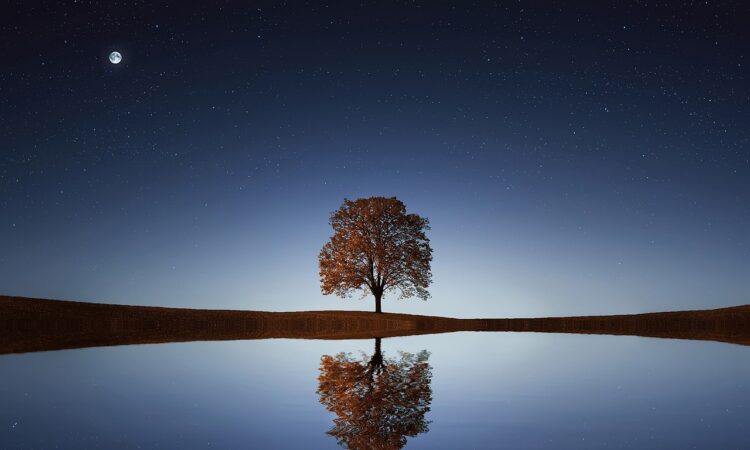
[28, 325]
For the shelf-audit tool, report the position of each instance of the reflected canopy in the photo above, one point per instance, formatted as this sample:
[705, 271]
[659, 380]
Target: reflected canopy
[378, 401]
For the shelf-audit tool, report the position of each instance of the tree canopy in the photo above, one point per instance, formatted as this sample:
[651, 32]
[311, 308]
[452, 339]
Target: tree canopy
[379, 403]
[377, 247]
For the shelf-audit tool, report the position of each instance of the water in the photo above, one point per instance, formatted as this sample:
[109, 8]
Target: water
[468, 390]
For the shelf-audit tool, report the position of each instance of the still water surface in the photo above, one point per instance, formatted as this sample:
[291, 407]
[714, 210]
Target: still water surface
[454, 391]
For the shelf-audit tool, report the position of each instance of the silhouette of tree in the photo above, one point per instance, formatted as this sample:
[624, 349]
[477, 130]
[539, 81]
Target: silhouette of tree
[378, 403]
[376, 246]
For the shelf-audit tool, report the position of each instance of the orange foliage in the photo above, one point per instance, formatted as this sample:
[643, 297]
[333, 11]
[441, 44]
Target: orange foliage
[376, 247]
[377, 403]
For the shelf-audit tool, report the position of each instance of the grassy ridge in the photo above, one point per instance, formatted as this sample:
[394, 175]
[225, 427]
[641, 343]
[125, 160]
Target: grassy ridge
[731, 325]
[28, 325]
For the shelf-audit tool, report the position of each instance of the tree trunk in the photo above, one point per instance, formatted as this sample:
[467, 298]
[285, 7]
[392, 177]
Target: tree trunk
[376, 362]
[378, 296]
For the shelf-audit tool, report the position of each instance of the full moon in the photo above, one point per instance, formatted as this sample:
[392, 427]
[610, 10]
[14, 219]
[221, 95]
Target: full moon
[115, 57]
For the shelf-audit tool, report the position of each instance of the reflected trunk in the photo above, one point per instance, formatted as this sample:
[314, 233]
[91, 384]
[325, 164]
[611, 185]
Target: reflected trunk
[378, 401]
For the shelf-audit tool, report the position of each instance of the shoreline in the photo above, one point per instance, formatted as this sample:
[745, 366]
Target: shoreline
[30, 325]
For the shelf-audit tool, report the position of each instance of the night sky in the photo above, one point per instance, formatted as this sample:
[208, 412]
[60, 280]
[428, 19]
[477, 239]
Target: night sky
[572, 158]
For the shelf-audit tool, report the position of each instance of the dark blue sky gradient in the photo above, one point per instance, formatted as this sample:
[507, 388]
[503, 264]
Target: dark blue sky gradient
[572, 158]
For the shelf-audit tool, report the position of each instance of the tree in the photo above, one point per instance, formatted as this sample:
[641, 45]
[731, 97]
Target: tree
[376, 246]
[379, 403]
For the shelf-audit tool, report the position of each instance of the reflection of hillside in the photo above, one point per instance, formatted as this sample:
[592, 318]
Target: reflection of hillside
[378, 402]
[29, 325]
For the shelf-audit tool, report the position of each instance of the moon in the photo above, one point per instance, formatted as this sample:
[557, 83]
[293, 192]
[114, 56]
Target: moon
[115, 57]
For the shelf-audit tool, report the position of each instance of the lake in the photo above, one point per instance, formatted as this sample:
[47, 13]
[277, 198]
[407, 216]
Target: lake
[455, 391]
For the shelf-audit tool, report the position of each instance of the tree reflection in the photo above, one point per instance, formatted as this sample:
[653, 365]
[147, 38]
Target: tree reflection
[378, 403]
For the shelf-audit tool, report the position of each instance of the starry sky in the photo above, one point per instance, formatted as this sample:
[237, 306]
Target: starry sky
[572, 157]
